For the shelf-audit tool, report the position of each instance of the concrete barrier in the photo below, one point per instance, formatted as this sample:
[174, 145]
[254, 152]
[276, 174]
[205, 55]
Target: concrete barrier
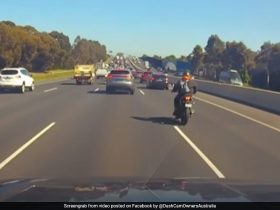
[262, 99]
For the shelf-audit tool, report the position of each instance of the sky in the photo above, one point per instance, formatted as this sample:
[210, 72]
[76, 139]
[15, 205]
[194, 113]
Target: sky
[152, 27]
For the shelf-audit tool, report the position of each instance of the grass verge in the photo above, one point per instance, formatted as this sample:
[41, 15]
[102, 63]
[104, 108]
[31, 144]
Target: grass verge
[52, 75]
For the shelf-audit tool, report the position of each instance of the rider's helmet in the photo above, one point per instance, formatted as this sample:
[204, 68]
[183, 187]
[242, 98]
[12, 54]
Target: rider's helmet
[186, 76]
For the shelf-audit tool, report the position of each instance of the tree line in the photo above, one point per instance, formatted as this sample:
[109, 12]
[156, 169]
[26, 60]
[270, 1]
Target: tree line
[258, 68]
[40, 51]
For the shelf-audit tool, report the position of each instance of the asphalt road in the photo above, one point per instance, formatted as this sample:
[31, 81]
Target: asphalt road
[87, 133]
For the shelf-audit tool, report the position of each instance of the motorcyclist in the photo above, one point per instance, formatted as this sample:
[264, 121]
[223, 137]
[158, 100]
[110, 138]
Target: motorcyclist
[184, 86]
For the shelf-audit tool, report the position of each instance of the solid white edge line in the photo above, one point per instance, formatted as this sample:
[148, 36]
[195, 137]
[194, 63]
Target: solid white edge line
[142, 92]
[23, 147]
[97, 89]
[52, 89]
[239, 114]
[201, 154]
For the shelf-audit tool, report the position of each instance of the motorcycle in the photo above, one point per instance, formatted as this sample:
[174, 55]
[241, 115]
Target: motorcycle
[184, 109]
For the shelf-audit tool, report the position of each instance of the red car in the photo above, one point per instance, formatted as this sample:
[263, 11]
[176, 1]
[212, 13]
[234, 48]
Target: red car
[145, 76]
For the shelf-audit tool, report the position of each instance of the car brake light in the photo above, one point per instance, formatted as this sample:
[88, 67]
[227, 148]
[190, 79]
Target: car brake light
[109, 76]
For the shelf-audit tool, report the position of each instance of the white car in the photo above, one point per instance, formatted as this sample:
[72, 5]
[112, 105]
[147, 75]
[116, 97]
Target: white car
[101, 73]
[230, 77]
[18, 78]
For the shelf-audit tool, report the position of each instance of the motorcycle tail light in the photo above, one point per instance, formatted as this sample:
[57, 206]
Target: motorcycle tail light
[187, 99]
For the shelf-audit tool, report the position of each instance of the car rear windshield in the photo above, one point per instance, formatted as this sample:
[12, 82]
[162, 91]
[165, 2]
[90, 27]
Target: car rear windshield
[9, 72]
[119, 72]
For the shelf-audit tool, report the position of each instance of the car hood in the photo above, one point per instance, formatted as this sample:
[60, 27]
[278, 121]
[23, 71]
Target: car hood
[136, 190]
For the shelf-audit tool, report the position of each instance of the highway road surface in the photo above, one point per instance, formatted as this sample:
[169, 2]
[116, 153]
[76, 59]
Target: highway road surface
[67, 130]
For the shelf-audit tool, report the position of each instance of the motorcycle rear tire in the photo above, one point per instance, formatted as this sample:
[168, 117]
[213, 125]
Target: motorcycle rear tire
[185, 117]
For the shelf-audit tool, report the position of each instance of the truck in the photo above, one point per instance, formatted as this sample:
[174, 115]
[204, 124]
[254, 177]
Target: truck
[84, 74]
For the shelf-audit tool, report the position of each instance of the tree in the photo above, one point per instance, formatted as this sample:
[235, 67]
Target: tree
[170, 58]
[76, 41]
[62, 39]
[245, 76]
[39, 51]
[9, 23]
[88, 52]
[213, 57]
[261, 73]
[183, 58]
[214, 49]
[157, 57]
[274, 67]
[30, 29]
[64, 51]
[267, 71]
[238, 56]
[196, 59]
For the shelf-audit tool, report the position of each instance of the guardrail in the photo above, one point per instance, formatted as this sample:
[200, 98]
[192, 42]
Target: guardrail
[262, 99]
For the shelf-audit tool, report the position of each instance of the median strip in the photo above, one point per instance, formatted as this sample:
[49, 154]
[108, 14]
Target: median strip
[23, 147]
[200, 153]
[49, 90]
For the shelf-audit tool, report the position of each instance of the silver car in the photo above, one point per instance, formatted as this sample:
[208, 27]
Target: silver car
[120, 80]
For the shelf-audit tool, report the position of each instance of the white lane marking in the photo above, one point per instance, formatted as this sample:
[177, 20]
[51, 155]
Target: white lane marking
[23, 147]
[11, 182]
[97, 89]
[142, 92]
[52, 89]
[239, 114]
[201, 154]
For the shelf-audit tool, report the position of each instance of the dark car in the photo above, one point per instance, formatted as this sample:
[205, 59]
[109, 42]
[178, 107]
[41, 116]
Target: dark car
[120, 80]
[158, 81]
